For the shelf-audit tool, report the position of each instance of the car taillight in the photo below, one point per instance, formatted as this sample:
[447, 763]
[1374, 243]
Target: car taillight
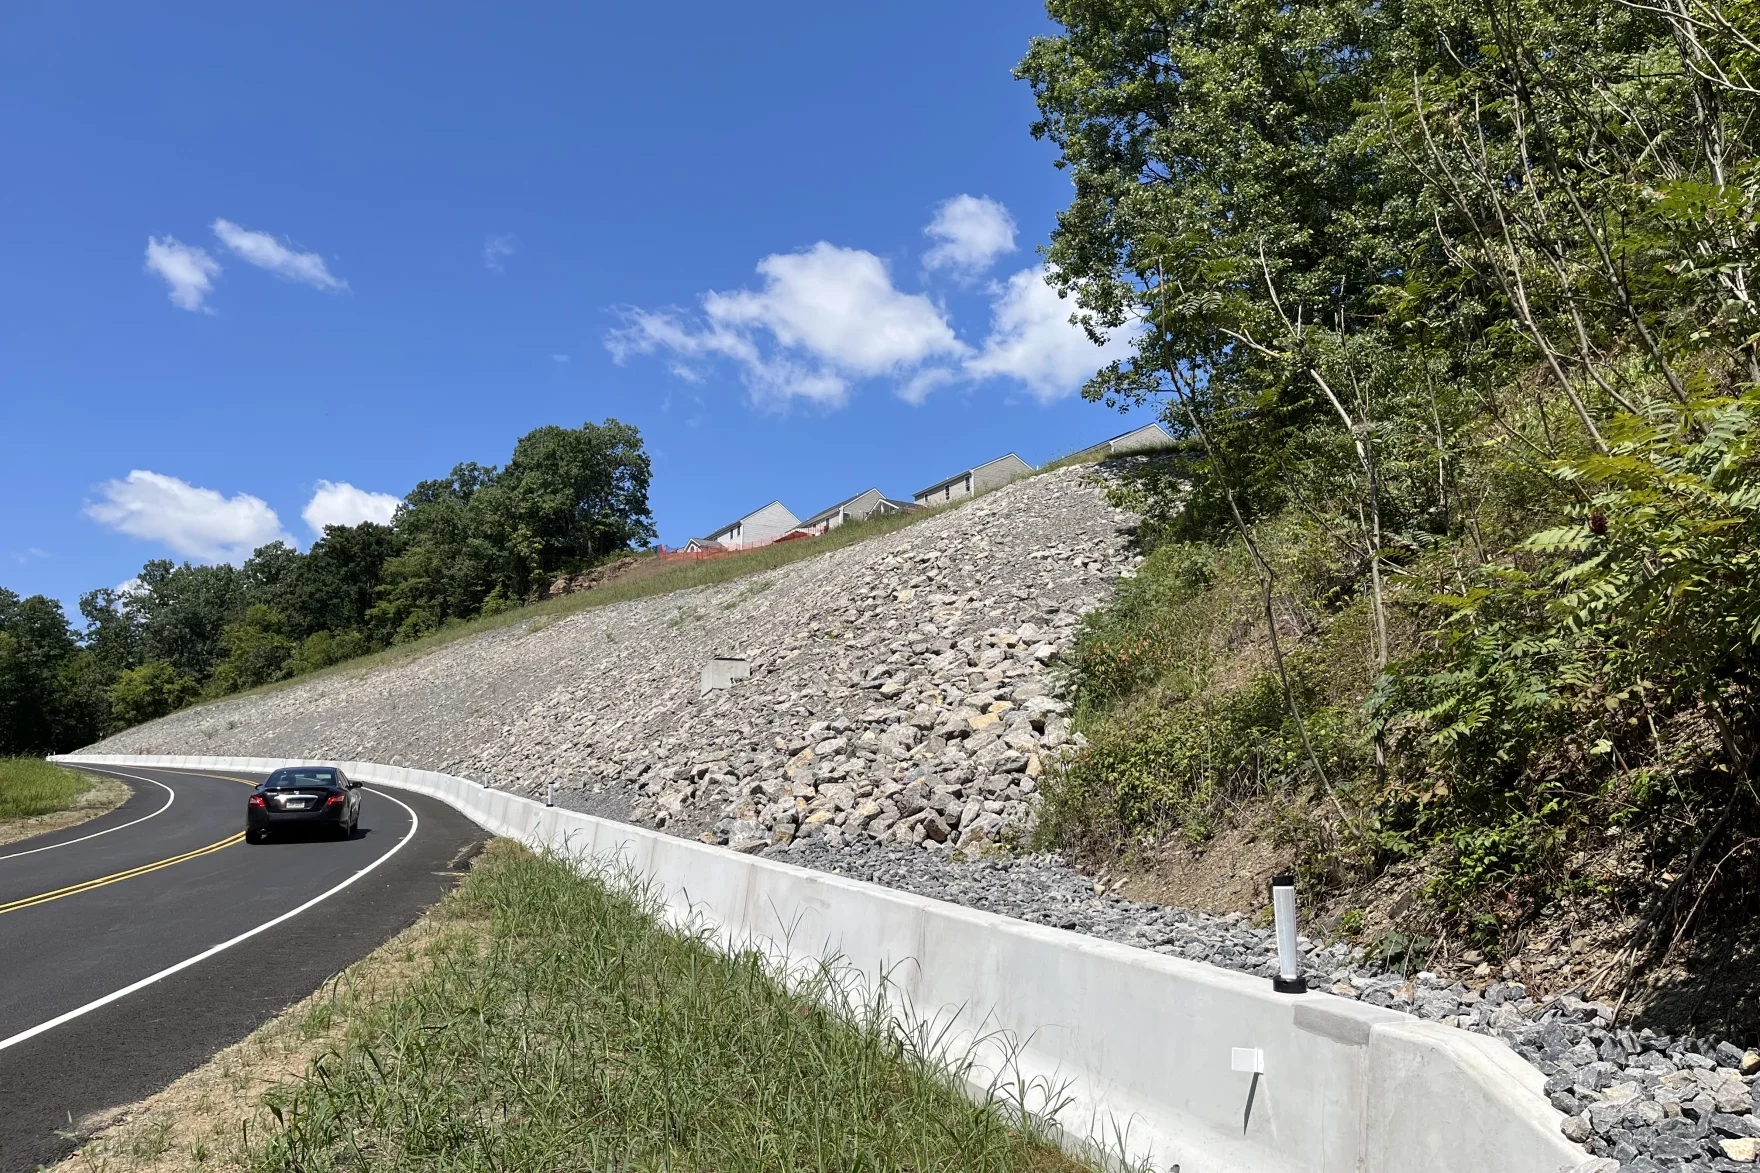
[336, 800]
[256, 800]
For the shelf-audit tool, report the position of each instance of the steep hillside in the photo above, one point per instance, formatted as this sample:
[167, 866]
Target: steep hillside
[898, 688]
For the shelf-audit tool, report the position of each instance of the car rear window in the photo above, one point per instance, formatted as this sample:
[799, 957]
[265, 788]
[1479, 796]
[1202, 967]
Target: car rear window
[299, 777]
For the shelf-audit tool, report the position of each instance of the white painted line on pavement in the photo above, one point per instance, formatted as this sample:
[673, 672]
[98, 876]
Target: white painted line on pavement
[171, 797]
[125, 991]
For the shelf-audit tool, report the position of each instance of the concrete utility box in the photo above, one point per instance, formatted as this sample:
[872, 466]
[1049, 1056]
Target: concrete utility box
[721, 672]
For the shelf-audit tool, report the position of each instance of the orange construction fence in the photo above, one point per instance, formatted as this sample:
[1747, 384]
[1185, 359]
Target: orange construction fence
[681, 555]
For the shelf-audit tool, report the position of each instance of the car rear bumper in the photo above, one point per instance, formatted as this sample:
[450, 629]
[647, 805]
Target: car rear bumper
[257, 820]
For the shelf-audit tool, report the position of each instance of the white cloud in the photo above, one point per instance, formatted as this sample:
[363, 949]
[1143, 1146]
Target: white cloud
[973, 231]
[1032, 340]
[918, 386]
[497, 248]
[265, 252]
[340, 503]
[188, 270]
[194, 522]
[824, 316]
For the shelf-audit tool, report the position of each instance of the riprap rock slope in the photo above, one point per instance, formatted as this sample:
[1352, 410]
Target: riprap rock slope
[901, 689]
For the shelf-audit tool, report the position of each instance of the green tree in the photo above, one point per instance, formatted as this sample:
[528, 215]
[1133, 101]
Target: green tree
[324, 648]
[44, 675]
[1461, 296]
[149, 691]
[182, 611]
[257, 650]
[113, 633]
[568, 498]
[334, 587]
[443, 569]
[271, 575]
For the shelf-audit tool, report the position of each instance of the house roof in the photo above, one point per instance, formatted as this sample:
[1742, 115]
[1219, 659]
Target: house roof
[1143, 428]
[1152, 424]
[963, 473]
[828, 513]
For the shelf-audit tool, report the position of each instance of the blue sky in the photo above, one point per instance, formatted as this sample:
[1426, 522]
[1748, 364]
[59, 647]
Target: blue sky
[268, 263]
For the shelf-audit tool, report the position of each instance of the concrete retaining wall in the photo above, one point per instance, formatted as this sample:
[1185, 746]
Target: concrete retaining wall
[1139, 1043]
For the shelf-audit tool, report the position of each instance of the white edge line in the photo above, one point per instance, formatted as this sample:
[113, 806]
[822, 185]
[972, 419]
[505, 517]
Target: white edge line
[106, 830]
[98, 1003]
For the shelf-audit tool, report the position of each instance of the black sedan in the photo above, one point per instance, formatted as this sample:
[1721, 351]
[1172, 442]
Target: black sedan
[303, 796]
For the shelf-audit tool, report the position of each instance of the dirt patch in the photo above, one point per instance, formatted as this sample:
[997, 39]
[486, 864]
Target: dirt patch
[1578, 943]
[1231, 872]
[631, 569]
[104, 796]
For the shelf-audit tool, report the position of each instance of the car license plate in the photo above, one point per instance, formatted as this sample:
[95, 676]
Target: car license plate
[299, 804]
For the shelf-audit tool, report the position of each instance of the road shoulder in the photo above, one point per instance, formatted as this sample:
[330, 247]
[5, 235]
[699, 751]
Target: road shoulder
[104, 795]
[200, 1118]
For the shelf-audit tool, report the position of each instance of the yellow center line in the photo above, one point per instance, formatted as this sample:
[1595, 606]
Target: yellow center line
[204, 774]
[118, 877]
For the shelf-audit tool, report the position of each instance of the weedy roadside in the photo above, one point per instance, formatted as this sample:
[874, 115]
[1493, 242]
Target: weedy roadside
[540, 1019]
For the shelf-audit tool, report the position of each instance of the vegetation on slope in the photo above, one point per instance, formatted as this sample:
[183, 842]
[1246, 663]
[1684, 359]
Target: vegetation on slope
[1450, 307]
[648, 578]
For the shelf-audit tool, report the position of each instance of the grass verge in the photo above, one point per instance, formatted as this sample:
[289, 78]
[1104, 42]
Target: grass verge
[540, 1020]
[36, 796]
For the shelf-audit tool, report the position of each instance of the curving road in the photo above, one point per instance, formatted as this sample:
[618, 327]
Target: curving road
[136, 945]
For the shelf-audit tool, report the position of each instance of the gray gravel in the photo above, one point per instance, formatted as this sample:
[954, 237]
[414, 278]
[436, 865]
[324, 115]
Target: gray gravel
[1642, 1101]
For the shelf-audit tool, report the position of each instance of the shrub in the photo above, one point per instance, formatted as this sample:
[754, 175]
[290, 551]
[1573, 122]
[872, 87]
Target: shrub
[150, 691]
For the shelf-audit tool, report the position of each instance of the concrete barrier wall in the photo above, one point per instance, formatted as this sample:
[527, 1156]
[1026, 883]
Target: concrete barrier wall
[1138, 1043]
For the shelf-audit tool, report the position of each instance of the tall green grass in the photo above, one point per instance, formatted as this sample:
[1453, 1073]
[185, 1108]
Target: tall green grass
[559, 1027]
[1185, 716]
[31, 786]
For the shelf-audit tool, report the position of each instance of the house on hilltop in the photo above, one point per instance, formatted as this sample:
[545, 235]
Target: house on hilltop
[1137, 440]
[991, 475]
[872, 503]
[757, 528]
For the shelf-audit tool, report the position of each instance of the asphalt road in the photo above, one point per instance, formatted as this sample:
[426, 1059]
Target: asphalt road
[136, 945]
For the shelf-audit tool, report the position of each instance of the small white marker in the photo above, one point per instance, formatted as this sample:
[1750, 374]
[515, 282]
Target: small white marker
[550, 793]
[1248, 1059]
